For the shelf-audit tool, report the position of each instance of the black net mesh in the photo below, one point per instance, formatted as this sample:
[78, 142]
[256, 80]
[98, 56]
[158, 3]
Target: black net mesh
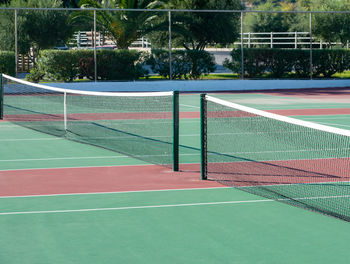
[298, 165]
[137, 125]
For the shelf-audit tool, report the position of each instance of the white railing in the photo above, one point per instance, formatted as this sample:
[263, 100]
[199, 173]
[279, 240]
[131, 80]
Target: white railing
[283, 39]
[84, 39]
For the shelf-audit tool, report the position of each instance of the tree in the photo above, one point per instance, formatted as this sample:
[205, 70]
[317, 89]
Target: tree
[123, 27]
[305, 5]
[332, 27]
[195, 30]
[260, 2]
[70, 3]
[37, 29]
[268, 22]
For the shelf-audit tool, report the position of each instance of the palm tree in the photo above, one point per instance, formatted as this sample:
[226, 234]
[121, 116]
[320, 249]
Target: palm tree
[123, 27]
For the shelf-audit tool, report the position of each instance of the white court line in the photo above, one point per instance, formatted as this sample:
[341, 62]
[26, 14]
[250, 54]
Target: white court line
[99, 166]
[117, 192]
[132, 207]
[295, 184]
[288, 151]
[191, 106]
[77, 167]
[182, 155]
[97, 157]
[30, 139]
[66, 158]
[190, 120]
[330, 124]
[168, 205]
[60, 138]
[325, 116]
[315, 106]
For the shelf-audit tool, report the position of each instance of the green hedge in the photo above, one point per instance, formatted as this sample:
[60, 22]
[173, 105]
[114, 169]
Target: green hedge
[187, 64]
[67, 65]
[281, 62]
[58, 65]
[7, 62]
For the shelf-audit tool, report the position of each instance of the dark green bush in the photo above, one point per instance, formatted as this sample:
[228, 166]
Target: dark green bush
[254, 64]
[112, 65]
[35, 75]
[7, 62]
[328, 62]
[68, 65]
[280, 63]
[159, 62]
[59, 65]
[120, 65]
[202, 62]
[302, 63]
[184, 63]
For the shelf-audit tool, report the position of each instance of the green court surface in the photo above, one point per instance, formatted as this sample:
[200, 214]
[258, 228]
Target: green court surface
[167, 227]
[209, 225]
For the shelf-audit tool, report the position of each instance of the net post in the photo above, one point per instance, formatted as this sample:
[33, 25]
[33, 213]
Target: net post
[203, 135]
[176, 119]
[1, 97]
[65, 111]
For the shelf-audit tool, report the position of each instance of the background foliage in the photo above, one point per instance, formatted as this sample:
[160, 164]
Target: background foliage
[277, 63]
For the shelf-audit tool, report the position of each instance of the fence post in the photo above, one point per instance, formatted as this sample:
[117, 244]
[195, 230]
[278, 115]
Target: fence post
[296, 40]
[95, 54]
[170, 47]
[271, 43]
[311, 66]
[16, 44]
[242, 48]
[249, 40]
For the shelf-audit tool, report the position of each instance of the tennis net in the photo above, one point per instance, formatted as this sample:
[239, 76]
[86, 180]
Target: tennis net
[140, 125]
[289, 160]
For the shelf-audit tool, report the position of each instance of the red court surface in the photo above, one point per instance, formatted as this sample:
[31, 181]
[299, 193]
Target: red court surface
[99, 179]
[281, 172]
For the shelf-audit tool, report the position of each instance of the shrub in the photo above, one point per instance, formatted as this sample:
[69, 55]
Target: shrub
[202, 62]
[159, 62]
[120, 65]
[254, 64]
[7, 62]
[35, 75]
[60, 65]
[328, 62]
[184, 63]
[302, 63]
[281, 62]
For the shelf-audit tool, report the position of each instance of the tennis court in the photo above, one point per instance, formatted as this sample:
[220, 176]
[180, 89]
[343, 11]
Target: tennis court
[67, 202]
